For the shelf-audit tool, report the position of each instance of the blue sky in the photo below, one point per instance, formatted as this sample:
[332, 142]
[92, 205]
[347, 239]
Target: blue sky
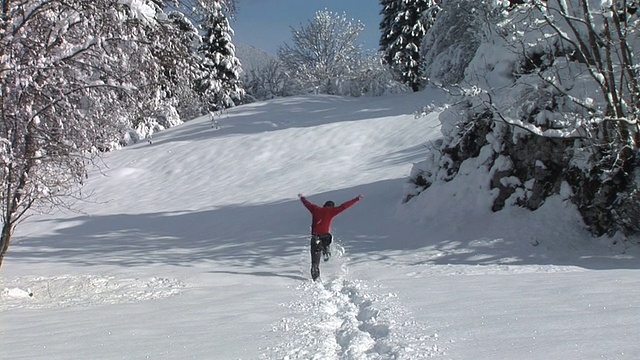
[266, 24]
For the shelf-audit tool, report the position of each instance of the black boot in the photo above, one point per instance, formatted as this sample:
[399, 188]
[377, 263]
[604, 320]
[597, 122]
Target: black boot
[326, 253]
[316, 253]
[326, 240]
[315, 272]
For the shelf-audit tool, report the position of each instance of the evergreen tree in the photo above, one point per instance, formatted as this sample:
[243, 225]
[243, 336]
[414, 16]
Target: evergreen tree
[388, 25]
[220, 84]
[404, 25]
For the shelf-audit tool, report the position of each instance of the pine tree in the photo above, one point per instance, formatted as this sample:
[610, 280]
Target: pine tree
[404, 25]
[220, 84]
[388, 26]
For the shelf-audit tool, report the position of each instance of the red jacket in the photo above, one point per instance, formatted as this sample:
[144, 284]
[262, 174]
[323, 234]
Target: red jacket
[321, 216]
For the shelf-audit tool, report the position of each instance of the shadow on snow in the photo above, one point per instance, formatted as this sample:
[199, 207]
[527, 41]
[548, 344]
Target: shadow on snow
[267, 238]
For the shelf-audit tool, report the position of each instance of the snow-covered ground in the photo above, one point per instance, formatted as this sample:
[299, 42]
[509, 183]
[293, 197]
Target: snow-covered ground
[196, 247]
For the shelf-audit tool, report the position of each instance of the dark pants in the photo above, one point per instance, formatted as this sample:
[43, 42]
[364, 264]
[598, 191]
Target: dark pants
[319, 244]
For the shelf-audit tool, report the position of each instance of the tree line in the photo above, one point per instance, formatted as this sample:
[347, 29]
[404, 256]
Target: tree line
[325, 57]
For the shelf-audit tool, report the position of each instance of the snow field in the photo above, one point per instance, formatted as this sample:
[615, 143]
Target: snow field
[188, 251]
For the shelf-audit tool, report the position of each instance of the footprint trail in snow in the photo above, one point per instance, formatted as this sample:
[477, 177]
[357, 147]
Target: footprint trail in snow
[345, 319]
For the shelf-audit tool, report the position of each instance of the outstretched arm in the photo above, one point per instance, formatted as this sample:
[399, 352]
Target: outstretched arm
[349, 203]
[308, 204]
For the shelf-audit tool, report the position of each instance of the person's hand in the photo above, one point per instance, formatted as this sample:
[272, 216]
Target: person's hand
[360, 197]
[300, 196]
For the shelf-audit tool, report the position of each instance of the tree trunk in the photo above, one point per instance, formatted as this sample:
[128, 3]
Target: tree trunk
[5, 239]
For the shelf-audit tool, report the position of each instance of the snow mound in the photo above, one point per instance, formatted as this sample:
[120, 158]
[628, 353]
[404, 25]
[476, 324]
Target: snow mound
[82, 290]
[16, 293]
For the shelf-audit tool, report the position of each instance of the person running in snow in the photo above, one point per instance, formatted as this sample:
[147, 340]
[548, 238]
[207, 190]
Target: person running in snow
[321, 237]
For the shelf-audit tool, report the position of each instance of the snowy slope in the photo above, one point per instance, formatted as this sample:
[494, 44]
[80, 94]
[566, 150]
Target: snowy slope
[196, 247]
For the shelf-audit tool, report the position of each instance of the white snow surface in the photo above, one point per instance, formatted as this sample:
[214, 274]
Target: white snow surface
[196, 247]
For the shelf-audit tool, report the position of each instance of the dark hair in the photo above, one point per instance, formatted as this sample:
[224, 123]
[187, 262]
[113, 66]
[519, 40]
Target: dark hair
[329, 204]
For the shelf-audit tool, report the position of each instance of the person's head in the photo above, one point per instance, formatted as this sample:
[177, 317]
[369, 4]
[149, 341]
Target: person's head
[329, 204]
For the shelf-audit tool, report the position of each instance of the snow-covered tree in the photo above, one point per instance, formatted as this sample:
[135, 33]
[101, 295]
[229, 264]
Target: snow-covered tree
[553, 110]
[58, 101]
[180, 65]
[220, 84]
[403, 27]
[373, 78]
[324, 53]
[263, 76]
[229, 7]
[75, 76]
[268, 81]
[193, 9]
[388, 25]
[161, 61]
[452, 40]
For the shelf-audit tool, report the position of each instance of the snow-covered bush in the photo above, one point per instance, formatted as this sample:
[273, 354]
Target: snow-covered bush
[552, 109]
